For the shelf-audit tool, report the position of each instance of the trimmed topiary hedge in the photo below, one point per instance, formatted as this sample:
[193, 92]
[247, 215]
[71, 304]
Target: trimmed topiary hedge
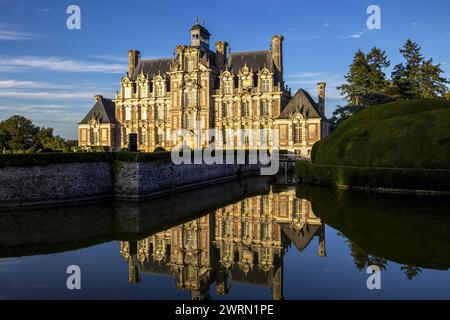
[389, 178]
[401, 134]
[43, 159]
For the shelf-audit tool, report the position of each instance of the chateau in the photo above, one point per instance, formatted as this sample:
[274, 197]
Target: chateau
[244, 243]
[232, 99]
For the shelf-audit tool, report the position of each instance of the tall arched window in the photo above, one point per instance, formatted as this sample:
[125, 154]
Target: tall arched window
[297, 133]
[128, 113]
[264, 108]
[245, 109]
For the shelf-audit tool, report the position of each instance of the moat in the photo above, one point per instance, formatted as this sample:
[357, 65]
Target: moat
[248, 239]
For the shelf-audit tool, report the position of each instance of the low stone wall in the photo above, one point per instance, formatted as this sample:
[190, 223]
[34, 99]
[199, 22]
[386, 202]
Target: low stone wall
[141, 180]
[73, 182]
[55, 183]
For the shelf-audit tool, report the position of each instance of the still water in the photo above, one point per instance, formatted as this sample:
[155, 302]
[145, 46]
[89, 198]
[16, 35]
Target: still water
[240, 240]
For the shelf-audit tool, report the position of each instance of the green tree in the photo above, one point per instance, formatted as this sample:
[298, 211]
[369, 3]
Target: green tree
[417, 77]
[357, 86]
[20, 133]
[411, 272]
[378, 84]
[431, 82]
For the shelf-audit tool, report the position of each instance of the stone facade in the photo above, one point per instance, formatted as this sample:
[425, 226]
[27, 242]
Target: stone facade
[235, 100]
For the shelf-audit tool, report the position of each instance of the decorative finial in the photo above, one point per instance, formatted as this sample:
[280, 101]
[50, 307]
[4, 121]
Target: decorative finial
[203, 22]
[196, 20]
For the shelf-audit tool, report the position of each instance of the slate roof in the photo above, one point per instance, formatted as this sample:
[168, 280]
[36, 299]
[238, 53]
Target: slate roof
[153, 67]
[253, 59]
[104, 110]
[303, 104]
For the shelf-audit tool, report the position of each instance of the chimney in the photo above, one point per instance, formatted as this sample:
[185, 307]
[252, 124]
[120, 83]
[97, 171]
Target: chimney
[321, 89]
[133, 60]
[98, 97]
[277, 56]
[221, 54]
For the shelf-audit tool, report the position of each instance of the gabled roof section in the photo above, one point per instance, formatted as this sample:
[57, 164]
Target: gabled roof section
[301, 103]
[254, 60]
[103, 110]
[151, 68]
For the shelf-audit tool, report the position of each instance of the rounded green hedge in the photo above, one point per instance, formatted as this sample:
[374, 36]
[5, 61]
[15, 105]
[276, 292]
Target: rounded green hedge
[401, 134]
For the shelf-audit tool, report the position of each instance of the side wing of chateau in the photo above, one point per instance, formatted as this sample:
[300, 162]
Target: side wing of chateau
[236, 100]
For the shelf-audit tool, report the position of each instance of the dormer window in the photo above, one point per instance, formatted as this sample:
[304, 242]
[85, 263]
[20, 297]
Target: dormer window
[227, 87]
[265, 87]
[159, 89]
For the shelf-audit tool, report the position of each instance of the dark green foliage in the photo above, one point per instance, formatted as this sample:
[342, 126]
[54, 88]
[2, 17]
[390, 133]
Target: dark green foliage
[142, 157]
[401, 134]
[43, 159]
[20, 134]
[391, 178]
[159, 149]
[417, 77]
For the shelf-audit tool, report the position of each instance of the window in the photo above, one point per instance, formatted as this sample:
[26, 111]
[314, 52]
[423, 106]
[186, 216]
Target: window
[246, 109]
[265, 85]
[144, 137]
[227, 87]
[189, 64]
[189, 99]
[159, 136]
[144, 113]
[144, 90]
[127, 113]
[224, 136]
[312, 129]
[264, 108]
[160, 112]
[264, 137]
[94, 136]
[297, 133]
[127, 92]
[159, 89]
[189, 121]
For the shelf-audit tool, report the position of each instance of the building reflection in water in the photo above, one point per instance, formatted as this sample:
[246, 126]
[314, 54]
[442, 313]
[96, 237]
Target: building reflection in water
[243, 242]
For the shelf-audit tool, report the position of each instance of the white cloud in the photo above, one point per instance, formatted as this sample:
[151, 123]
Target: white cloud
[415, 24]
[355, 35]
[326, 25]
[15, 35]
[46, 95]
[58, 64]
[19, 84]
[304, 75]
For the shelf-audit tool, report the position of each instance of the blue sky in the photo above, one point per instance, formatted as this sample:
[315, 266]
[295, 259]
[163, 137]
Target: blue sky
[50, 74]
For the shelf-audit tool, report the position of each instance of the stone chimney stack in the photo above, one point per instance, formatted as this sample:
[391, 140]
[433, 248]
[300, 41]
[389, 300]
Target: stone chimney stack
[98, 97]
[277, 56]
[133, 60]
[321, 89]
[221, 54]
